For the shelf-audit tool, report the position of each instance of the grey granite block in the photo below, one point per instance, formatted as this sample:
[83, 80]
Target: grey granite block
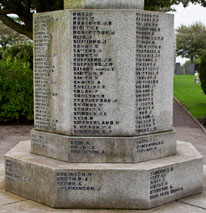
[103, 149]
[104, 4]
[103, 185]
[103, 72]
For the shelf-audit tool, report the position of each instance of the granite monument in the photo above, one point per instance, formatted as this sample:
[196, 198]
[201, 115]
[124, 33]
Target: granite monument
[103, 106]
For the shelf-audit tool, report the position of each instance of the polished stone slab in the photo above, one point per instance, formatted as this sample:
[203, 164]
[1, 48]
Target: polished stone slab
[103, 149]
[103, 185]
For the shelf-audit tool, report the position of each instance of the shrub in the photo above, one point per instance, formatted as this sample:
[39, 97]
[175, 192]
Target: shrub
[16, 91]
[22, 51]
[202, 72]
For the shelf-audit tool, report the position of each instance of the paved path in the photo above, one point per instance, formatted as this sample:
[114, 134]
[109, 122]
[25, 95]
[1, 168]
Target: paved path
[11, 135]
[188, 130]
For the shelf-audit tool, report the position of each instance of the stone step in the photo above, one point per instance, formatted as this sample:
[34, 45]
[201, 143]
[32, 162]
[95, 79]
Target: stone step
[103, 185]
[103, 149]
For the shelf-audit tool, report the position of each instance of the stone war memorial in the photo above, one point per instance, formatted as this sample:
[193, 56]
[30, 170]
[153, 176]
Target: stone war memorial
[103, 95]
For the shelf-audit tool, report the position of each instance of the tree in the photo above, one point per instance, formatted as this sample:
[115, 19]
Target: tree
[9, 36]
[166, 5]
[24, 9]
[20, 51]
[191, 40]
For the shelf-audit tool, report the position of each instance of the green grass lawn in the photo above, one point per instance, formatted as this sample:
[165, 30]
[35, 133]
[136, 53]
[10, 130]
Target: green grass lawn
[190, 95]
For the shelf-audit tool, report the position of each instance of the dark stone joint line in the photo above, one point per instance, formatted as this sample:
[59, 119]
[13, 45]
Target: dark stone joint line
[6, 204]
[191, 205]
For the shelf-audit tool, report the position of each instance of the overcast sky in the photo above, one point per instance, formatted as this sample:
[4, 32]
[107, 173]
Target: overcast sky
[188, 16]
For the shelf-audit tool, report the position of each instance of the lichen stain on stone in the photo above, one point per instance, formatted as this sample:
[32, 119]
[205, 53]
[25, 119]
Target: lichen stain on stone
[50, 50]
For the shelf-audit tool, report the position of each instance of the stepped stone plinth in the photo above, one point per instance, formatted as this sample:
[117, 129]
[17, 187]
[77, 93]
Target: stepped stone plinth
[103, 185]
[103, 149]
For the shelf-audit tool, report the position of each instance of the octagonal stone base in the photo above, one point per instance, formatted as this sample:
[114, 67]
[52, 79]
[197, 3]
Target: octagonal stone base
[103, 185]
[103, 149]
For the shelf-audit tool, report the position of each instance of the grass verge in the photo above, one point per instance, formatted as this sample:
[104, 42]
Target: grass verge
[190, 95]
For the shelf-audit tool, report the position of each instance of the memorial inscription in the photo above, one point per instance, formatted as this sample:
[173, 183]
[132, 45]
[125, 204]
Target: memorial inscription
[83, 147]
[39, 141]
[44, 68]
[160, 186]
[102, 149]
[13, 172]
[148, 145]
[148, 52]
[90, 36]
[75, 181]
[97, 72]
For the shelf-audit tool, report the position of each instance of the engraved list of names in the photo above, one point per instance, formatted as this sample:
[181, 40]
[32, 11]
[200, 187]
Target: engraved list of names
[44, 71]
[97, 73]
[148, 51]
[90, 65]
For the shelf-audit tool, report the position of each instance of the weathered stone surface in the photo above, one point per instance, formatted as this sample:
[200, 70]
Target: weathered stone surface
[104, 4]
[196, 203]
[109, 74]
[1, 170]
[199, 199]
[139, 185]
[6, 198]
[103, 149]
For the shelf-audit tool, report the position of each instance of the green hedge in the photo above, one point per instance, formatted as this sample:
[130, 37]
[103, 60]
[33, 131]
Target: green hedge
[16, 90]
[202, 72]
